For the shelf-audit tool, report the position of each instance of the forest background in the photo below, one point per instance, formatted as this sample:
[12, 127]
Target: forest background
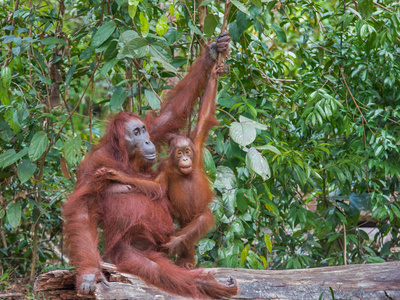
[307, 147]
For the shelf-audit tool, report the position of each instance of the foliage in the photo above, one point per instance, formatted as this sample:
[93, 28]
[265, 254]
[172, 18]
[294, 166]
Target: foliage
[308, 114]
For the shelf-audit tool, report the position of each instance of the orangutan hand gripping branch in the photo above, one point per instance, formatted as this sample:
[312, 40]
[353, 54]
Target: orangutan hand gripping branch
[188, 187]
[136, 222]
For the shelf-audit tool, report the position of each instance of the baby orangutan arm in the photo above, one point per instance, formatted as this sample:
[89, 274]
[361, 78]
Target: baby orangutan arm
[153, 187]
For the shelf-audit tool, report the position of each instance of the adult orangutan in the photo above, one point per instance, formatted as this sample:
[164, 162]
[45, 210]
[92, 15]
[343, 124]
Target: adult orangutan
[136, 224]
[187, 185]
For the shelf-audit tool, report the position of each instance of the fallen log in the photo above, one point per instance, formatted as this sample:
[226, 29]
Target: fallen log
[366, 282]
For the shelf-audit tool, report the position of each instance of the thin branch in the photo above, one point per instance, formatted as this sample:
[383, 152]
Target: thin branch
[76, 106]
[227, 113]
[354, 100]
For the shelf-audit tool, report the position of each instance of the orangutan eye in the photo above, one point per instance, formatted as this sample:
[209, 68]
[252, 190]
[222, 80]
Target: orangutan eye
[136, 131]
[179, 153]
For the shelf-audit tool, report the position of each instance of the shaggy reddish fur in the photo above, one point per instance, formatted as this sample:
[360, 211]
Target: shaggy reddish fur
[189, 194]
[137, 222]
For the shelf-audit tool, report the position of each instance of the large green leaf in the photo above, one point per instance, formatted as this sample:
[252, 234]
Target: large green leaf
[240, 6]
[9, 157]
[152, 99]
[256, 124]
[14, 214]
[72, 150]
[210, 22]
[118, 97]
[102, 34]
[39, 144]
[366, 8]
[162, 27]
[242, 196]
[135, 48]
[25, 170]
[281, 35]
[224, 178]
[243, 133]
[257, 163]
[205, 245]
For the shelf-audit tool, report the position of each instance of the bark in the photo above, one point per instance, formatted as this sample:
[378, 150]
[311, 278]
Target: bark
[367, 282]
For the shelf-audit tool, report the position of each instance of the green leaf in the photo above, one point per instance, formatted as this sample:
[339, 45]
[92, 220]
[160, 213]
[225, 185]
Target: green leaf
[257, 163]
[244, 254]
[152, 99]
[136, 48]
[379, 150]
[52, 41]
[270, 148]
[366, 8]
[209, 164]
[268, 242]
[6, 77]
[72, 150]
[281, 35]
[205, 245]
[210, 23]
[224, 178]
[14, 214]
[111, 51]
[25, 170]
[241, 196]
[206, 2]
[108, 66]
[68, 77]
[102, 34]
[240, 6]
[7, 158]
[118, 97]
[144, 25]
[243, 133]
[39, 144]
[162, 27]
[128, 35]
[255, 124]
[256, 3]
[132, 7]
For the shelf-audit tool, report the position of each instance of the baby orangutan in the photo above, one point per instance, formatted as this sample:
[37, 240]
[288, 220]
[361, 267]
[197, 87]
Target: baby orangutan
[183, 179]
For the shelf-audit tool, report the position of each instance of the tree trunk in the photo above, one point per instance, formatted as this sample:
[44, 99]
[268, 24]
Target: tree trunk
[366, 282]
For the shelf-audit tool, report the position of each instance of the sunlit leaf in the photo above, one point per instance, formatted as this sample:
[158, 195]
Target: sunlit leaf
[144, 24]
[268, 242]
[257, 163]
[152, 99]
[225, 178]
[240, 6]
[162, 27]
[39, 144]
[243, 133]
[72, 150]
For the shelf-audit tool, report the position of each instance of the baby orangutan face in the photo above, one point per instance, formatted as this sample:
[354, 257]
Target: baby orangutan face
[182, 154]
